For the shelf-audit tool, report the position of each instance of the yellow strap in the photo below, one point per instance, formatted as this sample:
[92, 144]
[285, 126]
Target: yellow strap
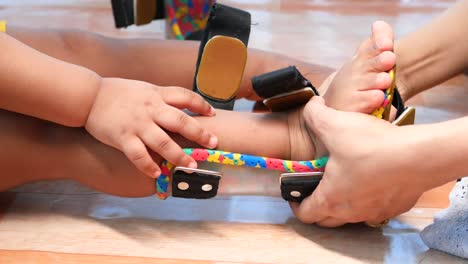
[2, 26]
[383, 111]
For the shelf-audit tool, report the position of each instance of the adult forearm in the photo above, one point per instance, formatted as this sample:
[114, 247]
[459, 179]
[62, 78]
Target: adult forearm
[38, 85]
[437, 152]
[434, 53]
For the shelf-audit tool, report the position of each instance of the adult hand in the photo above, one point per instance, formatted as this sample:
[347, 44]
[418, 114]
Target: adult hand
[370, 175]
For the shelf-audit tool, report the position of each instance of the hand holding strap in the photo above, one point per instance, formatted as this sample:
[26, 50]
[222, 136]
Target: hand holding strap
[300, 181]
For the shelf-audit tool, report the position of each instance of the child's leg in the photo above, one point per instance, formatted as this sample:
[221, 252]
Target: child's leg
[161, 62]
[36, 150]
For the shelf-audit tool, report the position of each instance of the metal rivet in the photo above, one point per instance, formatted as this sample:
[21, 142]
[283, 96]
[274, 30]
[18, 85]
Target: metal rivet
[183, 186]
[295, 194]
[207, 187]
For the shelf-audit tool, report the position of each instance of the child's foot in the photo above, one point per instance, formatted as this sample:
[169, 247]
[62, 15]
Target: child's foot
[358, 86]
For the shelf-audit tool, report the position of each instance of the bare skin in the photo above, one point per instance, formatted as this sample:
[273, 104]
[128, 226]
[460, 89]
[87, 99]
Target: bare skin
[69, 77]
[404, 165]
[160, 62]
[118, 112]
[55, 152]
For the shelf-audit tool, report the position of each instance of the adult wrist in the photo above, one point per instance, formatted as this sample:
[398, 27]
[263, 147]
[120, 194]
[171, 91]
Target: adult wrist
[401, 76]
[431, 155]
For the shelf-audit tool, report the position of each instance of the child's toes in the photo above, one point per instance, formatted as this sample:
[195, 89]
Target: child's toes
[382, 35]
[385, 61]
[381, 40]
[370, 100]
[376, 81]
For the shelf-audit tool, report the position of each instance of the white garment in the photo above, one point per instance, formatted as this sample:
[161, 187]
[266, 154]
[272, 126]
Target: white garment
[449, 232]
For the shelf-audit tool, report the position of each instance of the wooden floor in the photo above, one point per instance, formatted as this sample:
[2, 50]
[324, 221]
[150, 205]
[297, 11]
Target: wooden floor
[63, 222]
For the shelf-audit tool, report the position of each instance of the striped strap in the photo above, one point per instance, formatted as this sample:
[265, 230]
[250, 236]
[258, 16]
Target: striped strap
[384, 110]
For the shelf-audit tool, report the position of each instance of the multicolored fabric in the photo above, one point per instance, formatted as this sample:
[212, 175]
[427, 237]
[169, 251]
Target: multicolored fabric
[236, 159]
[187, 16]
[379, 112]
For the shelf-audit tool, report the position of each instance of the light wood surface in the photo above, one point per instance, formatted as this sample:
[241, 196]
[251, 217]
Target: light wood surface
[63, 222]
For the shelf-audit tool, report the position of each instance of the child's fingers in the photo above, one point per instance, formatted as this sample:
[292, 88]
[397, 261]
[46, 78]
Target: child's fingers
[157, 140]
[137, 153]
[177, 121]
[183, 98]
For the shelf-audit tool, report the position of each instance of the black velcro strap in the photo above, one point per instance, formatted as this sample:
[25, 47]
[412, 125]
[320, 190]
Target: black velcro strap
[398, 103]
[160, 9]
[123, 12]
[194, 185]
[226, 105]
[281, 81]
[226, 21]
[295, 189]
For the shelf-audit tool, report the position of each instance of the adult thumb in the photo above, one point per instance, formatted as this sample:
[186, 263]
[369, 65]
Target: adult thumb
[320, 118]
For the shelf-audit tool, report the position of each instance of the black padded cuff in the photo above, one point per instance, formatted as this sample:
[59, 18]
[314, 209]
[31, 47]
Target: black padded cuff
[398, 103]
[281, 81]
[160, 10]
[123, 12]
[226, 21]
[225, 105]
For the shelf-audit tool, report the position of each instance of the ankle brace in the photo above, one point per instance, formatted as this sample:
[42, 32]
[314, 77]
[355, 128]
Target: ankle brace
[220, 171]
[298, 180]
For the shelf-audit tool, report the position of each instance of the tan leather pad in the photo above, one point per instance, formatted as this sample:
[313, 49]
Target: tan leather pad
[145, 11]
[221, 67]
[406, 118]
[287, 101]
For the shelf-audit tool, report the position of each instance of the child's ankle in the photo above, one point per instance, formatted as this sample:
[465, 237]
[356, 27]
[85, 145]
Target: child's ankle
[302, 141]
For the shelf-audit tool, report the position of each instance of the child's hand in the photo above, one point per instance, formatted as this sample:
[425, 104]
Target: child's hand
[130, 115]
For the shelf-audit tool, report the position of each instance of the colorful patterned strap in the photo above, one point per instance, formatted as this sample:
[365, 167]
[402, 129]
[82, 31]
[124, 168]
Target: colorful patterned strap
[236, 159]
[187, 16]
[384, 110]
